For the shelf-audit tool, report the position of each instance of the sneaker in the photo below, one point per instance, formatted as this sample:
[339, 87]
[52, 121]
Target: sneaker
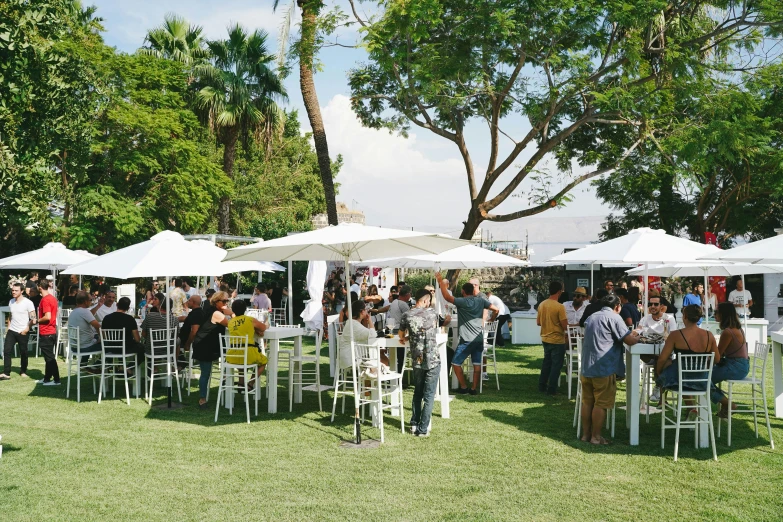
[4, 377]
[41, 381]
[462, 391]
[414, 429]
[51, 383]
[422, 434]
[692, 415]
[485, 376]
[655, 396]
[473, 392]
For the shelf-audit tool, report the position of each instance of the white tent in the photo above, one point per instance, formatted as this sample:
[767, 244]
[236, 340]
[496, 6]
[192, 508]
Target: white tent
[643, 246]
[464, 257]
[346, 242]
[313, 314]
[766, 252]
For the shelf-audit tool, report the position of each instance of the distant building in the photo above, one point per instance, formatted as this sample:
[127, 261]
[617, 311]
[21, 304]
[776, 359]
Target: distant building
[344, 215]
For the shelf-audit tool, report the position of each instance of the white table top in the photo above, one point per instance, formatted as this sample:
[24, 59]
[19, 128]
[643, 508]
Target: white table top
[276, 332]
[644, 349]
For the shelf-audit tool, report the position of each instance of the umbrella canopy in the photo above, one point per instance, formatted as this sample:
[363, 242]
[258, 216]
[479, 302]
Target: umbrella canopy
[766, 252]
[217, 254]
[464, 257]
[643, 245]
[164, 254]
[712, 268]
[53, 256]
[345, 242]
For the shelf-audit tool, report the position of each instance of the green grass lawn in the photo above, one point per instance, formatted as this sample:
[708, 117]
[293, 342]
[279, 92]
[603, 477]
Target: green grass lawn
[504, 455]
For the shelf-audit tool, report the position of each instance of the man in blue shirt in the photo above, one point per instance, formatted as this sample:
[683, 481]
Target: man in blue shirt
[694, 298]
[602, 351]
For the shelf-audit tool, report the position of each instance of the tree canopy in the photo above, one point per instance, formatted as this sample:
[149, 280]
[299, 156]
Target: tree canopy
[577, 85]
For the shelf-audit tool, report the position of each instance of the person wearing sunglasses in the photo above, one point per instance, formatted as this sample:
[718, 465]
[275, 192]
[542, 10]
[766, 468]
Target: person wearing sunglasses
[576, 307]
[656, 320]
[609, 286]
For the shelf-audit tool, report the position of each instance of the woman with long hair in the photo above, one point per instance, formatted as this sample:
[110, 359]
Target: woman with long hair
[733, 348]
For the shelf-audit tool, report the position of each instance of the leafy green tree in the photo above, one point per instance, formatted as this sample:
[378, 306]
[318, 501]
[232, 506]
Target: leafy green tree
[569, 83]
[305, 49]
[239, 98]
[719, 170]
[47, 97]
[152, 164]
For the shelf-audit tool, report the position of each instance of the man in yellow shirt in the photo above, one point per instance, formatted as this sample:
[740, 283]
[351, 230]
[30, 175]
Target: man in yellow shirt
[242, 325]
[554, 325]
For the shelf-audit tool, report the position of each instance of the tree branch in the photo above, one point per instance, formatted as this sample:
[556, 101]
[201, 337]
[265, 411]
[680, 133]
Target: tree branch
[356, 14]
[546, 205]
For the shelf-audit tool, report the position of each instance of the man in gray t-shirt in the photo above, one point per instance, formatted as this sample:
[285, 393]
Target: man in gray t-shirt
[470, 320]
[82, 318]
[602, 355]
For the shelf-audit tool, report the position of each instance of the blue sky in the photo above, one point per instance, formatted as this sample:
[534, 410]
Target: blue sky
[397, 182]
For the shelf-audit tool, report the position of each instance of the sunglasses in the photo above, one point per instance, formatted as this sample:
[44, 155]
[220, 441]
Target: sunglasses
[653, 304]
[612, 286]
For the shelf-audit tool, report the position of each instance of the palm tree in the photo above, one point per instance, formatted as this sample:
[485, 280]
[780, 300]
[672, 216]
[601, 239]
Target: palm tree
[306, 51]
[175, 39]
[239, 97]
[84, 16]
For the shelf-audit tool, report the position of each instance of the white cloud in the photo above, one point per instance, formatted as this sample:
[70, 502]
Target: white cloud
[392, 180]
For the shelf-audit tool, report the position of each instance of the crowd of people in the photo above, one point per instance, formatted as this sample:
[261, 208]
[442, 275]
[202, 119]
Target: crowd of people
[609, 320]
[613, 319]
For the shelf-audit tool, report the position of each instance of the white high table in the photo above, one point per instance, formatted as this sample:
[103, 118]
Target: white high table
[633, 387]
[272, 337]
[524, 329]
[777, 370]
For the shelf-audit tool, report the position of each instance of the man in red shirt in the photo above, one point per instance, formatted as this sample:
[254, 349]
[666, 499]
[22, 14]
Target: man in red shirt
[47, 334]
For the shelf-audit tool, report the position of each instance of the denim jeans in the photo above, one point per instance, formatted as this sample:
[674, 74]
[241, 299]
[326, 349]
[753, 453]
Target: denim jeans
[550, 369]
[425, 382]
[729, 369]
[203, 380]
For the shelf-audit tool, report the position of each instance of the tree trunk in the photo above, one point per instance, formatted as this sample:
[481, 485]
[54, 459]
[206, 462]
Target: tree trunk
[469, 228]
[310, 98]
[229, 154]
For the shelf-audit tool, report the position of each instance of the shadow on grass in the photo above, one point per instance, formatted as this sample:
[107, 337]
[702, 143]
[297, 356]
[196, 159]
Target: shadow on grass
[554, 420]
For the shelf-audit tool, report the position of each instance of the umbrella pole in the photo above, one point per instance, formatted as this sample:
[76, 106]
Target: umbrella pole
[592, 288]
[706, 304]
[745, 311]
[290, 300]
[645, 294]
[168, 340]
[357, 427]
[80, 281]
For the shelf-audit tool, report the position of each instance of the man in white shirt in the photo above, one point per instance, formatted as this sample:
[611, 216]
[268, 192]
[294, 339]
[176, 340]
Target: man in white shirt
[656, 321]
[355, 287]
[398, 307]
[742, 299]
[23, 316]
[503, 317]
[575, 309]
[363, 333]
[106, 305]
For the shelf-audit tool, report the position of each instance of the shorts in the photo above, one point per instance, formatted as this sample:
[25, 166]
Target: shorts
[599, 391]
[475, 350]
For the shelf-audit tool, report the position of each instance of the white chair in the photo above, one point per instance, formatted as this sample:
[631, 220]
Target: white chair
[757, 393]
[115, 364]
[161, 363]
[490, 337]
[75, 355]
[376, 384]
[62, 333]
[572, 366]
[277, 317]
[611, 416]
[298, 376]
[343, 379]
[694, 371]
[239, 348]
[32, 341]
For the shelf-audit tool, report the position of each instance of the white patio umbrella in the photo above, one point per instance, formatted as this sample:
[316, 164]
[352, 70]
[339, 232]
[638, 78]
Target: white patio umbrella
[217, 254]
[464, 257]
[765, 252]
[644, 246]
[166, 254]
[52, 256]
[346, 242]
[707, 268]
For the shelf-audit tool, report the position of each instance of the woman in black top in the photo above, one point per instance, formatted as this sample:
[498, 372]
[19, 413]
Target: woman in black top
[206, 345]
